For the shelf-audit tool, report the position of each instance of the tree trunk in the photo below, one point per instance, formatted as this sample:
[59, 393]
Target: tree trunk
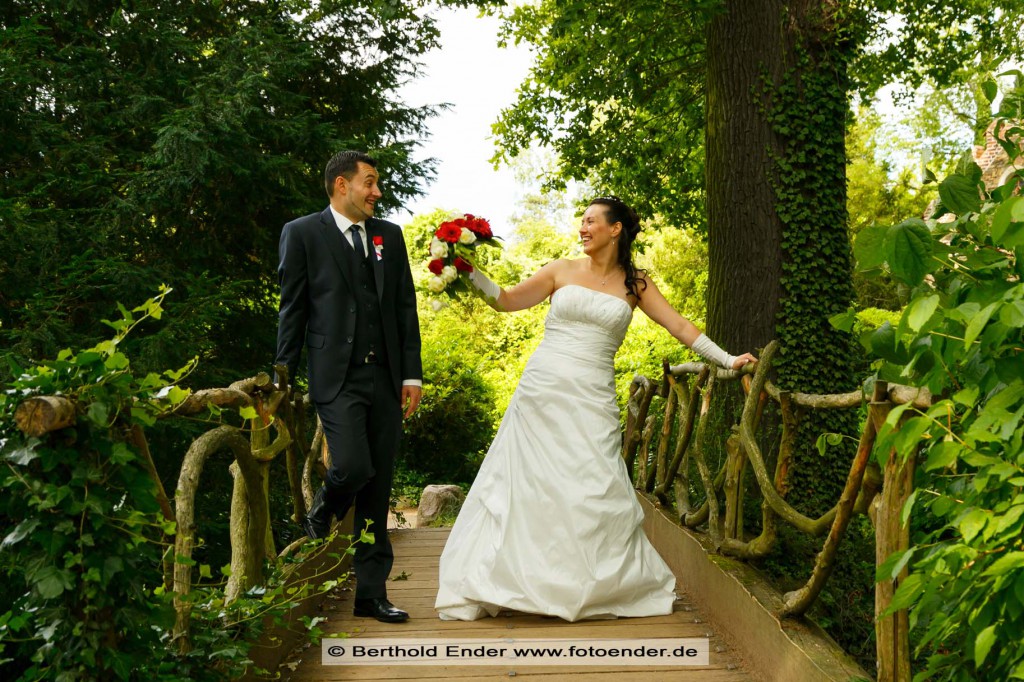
[744, 232]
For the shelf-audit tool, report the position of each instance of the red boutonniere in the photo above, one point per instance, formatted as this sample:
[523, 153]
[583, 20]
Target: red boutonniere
[378, 246]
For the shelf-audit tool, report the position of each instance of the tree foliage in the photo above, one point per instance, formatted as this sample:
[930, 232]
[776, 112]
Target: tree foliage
[961, 337]
[617, 91]
[147, 142]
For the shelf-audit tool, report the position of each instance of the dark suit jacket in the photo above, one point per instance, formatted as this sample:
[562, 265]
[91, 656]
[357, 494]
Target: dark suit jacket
[318, 302]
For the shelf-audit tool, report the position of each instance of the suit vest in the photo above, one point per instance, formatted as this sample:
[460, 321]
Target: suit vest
[369, 333]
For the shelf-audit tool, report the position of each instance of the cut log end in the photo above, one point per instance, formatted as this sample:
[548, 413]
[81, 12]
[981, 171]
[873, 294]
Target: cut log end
[41, 415]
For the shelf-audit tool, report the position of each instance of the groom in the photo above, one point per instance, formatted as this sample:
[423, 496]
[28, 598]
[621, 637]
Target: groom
[347, 292]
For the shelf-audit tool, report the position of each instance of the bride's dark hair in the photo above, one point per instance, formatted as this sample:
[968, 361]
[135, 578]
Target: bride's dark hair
[617, 211]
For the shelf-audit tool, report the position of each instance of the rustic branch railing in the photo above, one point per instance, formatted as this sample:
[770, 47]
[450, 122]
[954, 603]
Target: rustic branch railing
[278, 409]
[687, 391]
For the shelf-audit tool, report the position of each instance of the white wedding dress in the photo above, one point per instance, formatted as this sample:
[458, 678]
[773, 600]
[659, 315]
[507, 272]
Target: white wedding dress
[551, 524]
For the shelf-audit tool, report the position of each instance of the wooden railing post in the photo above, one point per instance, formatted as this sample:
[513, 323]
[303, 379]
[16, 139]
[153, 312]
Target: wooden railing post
[891, 632]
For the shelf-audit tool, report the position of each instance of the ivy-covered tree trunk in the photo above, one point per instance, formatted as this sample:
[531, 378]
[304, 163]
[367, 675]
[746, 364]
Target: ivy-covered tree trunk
[779, 255]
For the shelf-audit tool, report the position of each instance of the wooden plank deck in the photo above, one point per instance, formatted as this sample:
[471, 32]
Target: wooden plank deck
[416, 563]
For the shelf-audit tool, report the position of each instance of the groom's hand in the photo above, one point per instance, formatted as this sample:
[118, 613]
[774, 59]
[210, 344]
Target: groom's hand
[411, 399]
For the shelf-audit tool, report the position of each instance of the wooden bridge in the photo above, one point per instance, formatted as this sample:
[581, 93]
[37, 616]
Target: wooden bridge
[728, 605]
[416, 556]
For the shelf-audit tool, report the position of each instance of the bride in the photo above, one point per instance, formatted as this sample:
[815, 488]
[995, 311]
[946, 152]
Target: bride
[551, 524]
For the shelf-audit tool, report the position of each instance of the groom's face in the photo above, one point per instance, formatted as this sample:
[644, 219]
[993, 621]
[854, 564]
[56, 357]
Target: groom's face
[355, 198]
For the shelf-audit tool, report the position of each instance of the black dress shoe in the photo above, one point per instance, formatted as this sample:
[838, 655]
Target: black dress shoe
[317, 523]
[381, 609]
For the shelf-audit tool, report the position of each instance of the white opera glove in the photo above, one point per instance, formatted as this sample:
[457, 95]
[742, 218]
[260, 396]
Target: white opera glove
[710, 350]
[485, 286]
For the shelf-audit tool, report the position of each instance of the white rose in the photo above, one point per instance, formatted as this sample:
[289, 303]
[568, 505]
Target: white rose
[449, 273]
[436, 284]
[466, 237]
[438, 249]
[438, 305]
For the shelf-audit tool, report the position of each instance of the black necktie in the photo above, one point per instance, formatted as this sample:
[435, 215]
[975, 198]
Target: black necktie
[357, 243]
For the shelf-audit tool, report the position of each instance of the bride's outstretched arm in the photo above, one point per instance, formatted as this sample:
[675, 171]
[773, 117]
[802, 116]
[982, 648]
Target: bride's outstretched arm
[653, 303]
[526, 294]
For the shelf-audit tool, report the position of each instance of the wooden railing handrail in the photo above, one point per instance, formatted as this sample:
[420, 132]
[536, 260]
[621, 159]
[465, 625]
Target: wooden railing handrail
[278, 408]
[686, 390]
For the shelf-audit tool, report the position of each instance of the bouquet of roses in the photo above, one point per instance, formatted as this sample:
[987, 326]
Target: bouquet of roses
[453, 253]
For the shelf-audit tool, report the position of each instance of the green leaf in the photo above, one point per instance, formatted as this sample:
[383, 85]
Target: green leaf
[1012, 314]
[844, 321]
[967, 396]
[121, 454]
[971, 523]
[143, 415]
[990, 89]
[248, 412]
[116, 362]
[960, 194]
[869, 247]
[983, 644]
[108, 347]
[111, 566]
[907, 592]
[20, 532]
[920, 311]
[893, 564]
[967, 167]
[1010, 211]
[98, 413]
[176, 395]
[978, 323]
[51, 582]
[909, 250]
[908, 506]
[1005, 564]
[942, 455]
[820, 444]
[25, 454]
[883, 342]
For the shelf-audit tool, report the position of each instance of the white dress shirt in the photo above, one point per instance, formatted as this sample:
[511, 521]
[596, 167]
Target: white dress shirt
[345, 225]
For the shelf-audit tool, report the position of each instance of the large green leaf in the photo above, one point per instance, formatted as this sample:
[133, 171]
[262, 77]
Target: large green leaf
[978, 322]
[1010, 211]
[883, 342]
[960, 194]
[983, 644]
[920, 311]
[51, 582]
[908, 250]
[869, 247]
[1004, 564]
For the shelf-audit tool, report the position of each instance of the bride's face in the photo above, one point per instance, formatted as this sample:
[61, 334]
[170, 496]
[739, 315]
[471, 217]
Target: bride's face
[596, 232]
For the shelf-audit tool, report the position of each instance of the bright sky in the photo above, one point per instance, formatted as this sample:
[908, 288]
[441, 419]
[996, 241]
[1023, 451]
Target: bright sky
[478, 79]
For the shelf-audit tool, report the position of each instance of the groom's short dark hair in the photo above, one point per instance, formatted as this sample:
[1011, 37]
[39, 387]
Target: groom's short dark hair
[345, 164]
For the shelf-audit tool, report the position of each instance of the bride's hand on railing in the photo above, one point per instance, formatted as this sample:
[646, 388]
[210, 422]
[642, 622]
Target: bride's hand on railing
[743, 360]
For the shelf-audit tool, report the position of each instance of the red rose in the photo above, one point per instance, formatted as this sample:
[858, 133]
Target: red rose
[462, 265]
[481, 228]
[448, 232]
[435, 266]
[378, 240]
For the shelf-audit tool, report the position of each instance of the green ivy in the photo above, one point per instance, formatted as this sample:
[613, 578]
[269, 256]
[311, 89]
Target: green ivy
[84, 539]
[809, 183]
[816, 265]
[961, 336]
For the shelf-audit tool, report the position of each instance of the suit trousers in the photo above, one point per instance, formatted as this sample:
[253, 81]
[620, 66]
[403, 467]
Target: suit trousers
[363, 427]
